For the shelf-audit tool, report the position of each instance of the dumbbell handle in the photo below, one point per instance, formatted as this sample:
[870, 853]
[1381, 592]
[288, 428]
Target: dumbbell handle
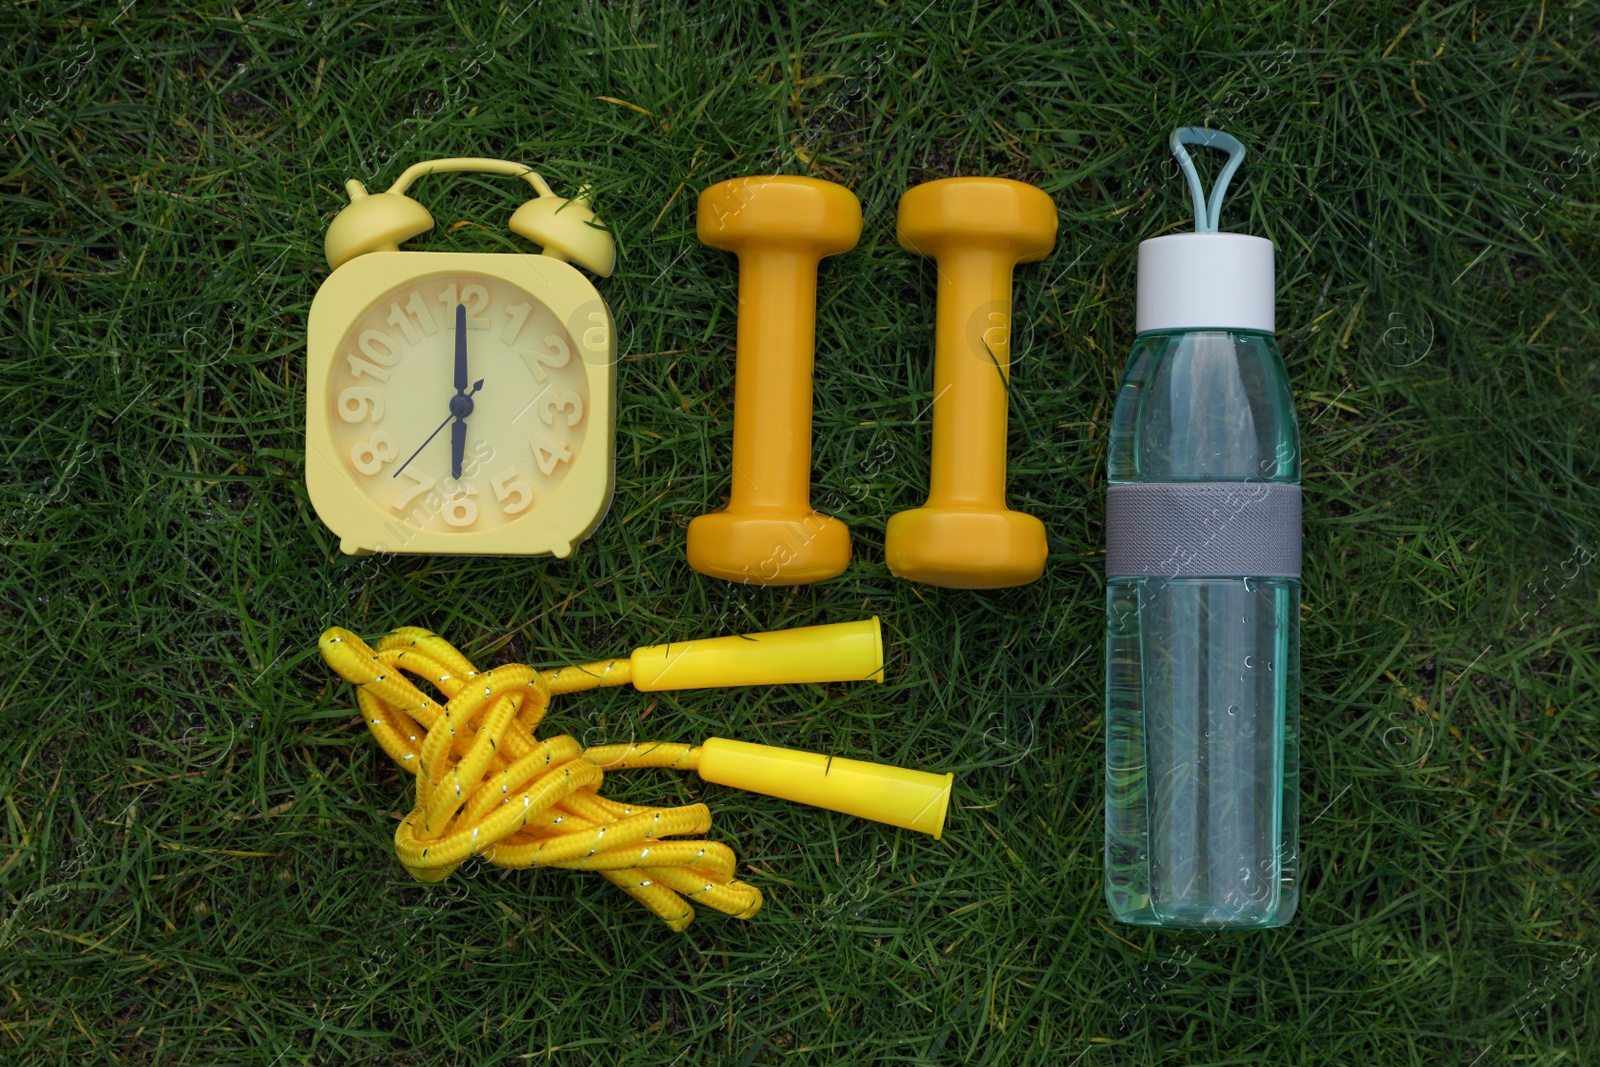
[971, 367]
[772, 379]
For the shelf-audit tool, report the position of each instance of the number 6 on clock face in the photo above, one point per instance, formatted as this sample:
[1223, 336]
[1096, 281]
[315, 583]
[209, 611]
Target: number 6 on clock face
[459, 403]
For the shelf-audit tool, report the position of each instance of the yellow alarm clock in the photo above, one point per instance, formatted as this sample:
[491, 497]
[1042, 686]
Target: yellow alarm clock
[461, 402]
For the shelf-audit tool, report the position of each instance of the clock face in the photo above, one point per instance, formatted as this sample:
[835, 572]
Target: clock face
[457, 430]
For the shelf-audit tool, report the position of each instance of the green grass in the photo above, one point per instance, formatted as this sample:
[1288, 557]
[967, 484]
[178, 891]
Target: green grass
[195, 859]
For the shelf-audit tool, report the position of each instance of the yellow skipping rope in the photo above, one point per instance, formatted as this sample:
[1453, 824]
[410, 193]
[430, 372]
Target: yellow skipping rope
[487, 786]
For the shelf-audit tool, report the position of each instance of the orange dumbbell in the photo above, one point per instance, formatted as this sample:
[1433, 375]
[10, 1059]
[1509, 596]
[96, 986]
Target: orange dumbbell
[965, 537]
[780, 228]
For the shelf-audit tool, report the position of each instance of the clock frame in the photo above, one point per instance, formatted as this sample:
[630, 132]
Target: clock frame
[555, 521]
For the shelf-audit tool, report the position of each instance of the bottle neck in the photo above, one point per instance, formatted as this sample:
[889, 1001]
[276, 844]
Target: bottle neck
[1178, 331]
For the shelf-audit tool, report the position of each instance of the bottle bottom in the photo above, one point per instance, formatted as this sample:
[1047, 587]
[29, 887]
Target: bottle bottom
[1201, 915]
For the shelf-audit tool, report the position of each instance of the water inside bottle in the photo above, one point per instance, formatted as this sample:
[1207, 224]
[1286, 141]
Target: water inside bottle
[1199, 825]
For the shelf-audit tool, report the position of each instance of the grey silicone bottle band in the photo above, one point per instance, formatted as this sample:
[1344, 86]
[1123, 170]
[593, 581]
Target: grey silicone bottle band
[1203, 530]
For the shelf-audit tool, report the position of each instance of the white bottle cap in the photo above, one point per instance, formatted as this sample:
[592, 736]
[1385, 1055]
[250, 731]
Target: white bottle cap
[1206, 281]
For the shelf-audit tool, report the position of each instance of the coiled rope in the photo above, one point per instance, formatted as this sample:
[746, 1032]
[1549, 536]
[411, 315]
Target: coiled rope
[486, 786]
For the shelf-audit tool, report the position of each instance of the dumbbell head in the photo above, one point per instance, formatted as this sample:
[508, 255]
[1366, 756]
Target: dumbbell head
[780, 211]
[1012, 217]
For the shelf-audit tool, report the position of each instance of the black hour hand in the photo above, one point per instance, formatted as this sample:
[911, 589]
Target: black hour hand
[458, 447]
[460, 408]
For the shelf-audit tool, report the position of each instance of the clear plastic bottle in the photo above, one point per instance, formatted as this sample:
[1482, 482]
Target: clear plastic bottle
[1203, 591]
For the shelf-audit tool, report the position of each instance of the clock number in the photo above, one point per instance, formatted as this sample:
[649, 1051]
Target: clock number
[370, 455]
[558, 356]
[461, 509]
[401, 321]
[596, 336]
[514, 497]
[379, 347]
[402, 318]
[518, 314]
[419, 307]
[359, 366]
[358, 402]
[569, 401]
[421, 483]
[550, 454]
[476, 297]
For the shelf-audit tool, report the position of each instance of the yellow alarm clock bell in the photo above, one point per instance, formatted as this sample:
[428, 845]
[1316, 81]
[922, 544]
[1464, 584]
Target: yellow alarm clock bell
[461, 402]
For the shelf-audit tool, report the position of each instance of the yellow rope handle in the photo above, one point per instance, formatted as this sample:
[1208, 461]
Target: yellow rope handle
[487, 786]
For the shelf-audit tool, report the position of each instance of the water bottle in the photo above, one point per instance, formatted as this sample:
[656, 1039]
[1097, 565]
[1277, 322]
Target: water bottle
[1203, 587]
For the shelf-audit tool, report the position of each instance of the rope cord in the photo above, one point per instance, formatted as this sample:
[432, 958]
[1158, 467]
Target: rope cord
[487, 786]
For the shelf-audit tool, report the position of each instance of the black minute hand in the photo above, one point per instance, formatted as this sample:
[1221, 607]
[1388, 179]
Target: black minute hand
[461, 350]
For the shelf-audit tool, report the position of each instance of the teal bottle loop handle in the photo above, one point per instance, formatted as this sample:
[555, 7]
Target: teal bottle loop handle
[1206, 214]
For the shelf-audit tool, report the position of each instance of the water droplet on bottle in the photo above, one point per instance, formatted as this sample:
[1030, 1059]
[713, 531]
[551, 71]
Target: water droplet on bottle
[1269, 664]
[1249, 662]
[1233, 709]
